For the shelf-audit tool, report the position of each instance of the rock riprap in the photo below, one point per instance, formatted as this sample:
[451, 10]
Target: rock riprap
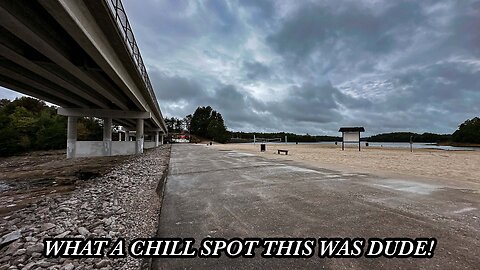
[122, 203]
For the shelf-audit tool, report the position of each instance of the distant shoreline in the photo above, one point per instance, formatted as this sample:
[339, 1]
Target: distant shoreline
[458, 144]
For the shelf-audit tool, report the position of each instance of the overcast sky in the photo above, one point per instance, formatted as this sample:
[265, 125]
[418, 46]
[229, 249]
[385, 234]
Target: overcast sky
[313, 66]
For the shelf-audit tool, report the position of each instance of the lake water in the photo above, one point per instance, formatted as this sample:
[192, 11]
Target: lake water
[395, 145]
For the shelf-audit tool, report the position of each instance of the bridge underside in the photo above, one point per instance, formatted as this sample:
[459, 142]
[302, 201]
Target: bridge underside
[71, 53]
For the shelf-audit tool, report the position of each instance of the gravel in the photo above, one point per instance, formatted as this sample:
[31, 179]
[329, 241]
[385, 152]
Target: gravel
[122, 203]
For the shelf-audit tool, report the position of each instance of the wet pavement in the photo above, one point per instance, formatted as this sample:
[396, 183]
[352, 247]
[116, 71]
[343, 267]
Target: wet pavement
[228, 194]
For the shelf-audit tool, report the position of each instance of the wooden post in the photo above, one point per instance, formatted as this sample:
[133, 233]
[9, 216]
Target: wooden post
[411, 144]
[359, 141]
[343, 140]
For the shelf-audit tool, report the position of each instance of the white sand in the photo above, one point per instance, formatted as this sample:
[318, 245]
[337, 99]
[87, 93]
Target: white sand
[453, 166]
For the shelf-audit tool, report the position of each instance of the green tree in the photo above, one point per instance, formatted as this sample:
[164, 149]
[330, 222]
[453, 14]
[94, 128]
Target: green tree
[28, 124]
[209, 124]
[468, 132]
[200, 121]
[187, 122]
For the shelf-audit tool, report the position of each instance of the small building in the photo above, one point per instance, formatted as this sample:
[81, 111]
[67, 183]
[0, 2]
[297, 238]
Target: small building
[351, 135]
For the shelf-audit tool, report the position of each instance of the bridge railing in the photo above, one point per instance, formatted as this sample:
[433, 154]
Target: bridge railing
[118, 12]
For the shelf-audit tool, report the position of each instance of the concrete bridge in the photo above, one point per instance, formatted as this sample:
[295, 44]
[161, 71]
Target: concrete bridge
[83, 57]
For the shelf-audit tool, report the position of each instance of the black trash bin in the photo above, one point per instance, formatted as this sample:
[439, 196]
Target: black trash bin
[263, 147]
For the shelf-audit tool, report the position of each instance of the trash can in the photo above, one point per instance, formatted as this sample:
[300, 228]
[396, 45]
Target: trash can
[263, 147]
[366, 144]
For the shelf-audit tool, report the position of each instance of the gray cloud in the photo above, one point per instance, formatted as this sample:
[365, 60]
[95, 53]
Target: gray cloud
[312, 66]
[256, 70]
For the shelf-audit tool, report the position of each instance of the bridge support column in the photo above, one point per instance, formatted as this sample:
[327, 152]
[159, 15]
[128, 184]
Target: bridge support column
[139, 137]
[161, 141]
[107, 137]
[71, 136]
[156, 138]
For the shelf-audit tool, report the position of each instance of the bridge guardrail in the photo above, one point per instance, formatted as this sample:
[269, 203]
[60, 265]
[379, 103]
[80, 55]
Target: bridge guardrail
[120, 16]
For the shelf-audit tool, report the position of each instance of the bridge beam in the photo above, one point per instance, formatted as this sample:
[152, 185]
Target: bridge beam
[101, 113]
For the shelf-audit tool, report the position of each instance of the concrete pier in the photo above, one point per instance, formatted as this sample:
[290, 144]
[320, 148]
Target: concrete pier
[139, 137]
[107, 137]
[156, 138]
[71, 136]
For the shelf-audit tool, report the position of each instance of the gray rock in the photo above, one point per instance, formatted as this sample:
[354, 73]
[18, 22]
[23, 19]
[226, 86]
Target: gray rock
[102, 263]
[20, 252]
[46, 226]
[68, 266]
[62, 235]
[83, 231]
[13, 247]
[10, 237]
[5, 258]
[36, 255]
[29, 266]
[35, 248]
[44, 264]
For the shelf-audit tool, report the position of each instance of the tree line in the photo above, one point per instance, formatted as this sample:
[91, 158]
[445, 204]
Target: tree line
[405, 137]
[291, 137]
[28, 124]
[467, 133]
[205, 123]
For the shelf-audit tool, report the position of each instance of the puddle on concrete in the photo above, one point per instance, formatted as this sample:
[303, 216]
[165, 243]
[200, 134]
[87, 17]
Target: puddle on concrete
[407, 186]
[464, 210]
[239, 154]
[298, 169]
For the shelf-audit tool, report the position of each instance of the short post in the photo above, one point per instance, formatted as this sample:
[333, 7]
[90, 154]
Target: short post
[343, 140]
[139, 137]
[411, 144]
[253, 139]
[286, 139]
[107, 137]
[71, 136]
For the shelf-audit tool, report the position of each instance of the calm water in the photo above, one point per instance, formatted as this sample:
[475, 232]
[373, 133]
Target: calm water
[396, 145]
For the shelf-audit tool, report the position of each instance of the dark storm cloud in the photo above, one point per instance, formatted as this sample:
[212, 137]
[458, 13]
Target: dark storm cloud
[312, 66]
[176, 88]
[256, 70]
[346, 35]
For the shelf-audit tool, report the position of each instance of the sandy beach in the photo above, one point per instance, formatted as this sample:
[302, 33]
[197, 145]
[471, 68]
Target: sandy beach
[458, 167]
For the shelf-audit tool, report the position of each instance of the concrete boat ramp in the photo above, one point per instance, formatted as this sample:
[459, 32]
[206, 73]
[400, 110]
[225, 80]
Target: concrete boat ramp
[228, 194]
